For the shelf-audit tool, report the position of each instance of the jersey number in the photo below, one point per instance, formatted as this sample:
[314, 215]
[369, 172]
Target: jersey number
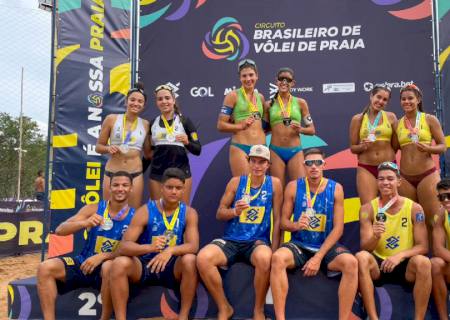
[404, 222]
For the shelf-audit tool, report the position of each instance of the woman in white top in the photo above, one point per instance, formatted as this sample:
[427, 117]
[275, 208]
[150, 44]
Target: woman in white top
[127, 135]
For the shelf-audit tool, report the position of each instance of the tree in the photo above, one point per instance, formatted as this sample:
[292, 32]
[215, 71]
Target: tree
[32, 160]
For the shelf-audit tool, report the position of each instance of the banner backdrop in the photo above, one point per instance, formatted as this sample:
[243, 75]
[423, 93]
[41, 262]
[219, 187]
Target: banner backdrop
[444, 63]
[92, 77]
[338, 49]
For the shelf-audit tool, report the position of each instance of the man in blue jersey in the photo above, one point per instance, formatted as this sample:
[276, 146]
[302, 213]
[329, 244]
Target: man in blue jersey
[246, 207]
[159, 247]
[106, 222]
[317, 204]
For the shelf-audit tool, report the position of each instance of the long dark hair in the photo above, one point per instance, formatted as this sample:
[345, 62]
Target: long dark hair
[417, 92]
[176, 106]
[280, 71]
[138, 87]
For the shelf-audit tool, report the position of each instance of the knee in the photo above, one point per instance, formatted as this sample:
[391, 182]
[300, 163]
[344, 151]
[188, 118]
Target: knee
[363, 258]
[45, 269]
[119, 267]
[188, 262]
[423, 265]
[203, 260]
[437, 264]
[262, 260]
[278, 261]
[349, 264]
[106, 268]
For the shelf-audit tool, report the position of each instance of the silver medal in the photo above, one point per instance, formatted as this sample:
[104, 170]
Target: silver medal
[107, 224]
[169, 234]
[414, 138]
[372, 137]
[170, 137]
[124, 148]
[310, 212]
[246, 198]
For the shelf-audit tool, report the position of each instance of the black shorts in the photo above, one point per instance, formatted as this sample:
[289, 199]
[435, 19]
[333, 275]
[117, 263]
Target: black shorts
[133, 175]
[236, 251]
[302, 255]
[75, 278]
[156, 174]
[164, 278]
[397, 276]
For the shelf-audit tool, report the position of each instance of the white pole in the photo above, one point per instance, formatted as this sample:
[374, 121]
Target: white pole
[20, 136]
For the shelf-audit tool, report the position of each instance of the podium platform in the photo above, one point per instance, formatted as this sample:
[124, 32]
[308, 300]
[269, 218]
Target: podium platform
[308, 298]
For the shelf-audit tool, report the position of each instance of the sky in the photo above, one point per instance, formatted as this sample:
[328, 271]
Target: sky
[26, 42]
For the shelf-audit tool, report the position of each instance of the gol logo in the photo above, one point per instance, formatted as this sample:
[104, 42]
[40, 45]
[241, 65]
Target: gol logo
[226, 40]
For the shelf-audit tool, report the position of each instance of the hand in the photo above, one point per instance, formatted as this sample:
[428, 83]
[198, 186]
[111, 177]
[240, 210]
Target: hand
[159, 243]
[303, 222]
[378, 228]
[312, 266]
[240, 206]
[182, 138]
[159, 262]
[390, 263]
[366, 144]
[93, 221]
[91, 263]
[113, 149]
[247, 122]
[296, 126]
[423, 147]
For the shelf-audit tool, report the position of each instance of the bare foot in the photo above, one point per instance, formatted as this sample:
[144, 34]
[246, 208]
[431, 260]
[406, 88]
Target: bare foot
[226, 313]
[259, 315]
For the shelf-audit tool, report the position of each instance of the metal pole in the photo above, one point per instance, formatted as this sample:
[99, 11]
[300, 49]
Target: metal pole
[20, 135]
[134, 43]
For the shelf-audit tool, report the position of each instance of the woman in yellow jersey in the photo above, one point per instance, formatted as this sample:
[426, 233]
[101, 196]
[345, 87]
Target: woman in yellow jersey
[286, 113]
[242, 115]
[371, 135]
[123, 136]
[415, 132]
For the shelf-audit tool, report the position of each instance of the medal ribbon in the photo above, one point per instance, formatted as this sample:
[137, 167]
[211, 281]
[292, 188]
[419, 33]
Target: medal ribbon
[169, 129]
[414, 130]
[310, 202]
[247, 187]
[387, 206]
[171, 225]
[286, 112]
[373, 126]
[119, 214]
[252, 105]
[127, 137]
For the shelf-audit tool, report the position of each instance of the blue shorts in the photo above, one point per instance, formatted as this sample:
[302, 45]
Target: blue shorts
[164, 278]
[75, 278]
[236, 251]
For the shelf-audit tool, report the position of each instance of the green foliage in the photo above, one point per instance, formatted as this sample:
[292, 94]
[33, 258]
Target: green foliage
[32, 160]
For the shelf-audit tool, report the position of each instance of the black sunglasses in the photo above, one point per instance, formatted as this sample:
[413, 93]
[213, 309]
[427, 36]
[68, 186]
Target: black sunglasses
[444, 196]
[283, 79]
[318, 162]
[246, 62]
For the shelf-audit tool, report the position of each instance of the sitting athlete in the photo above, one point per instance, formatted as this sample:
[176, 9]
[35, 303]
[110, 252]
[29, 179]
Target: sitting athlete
[394, 240]
[246, 206]
[440, 264]
[159, 247]
[317, 204]
[106, 222]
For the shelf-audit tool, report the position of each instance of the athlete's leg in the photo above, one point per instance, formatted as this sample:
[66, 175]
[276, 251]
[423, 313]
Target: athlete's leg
[238, 162]
[106, 187]
[48, 272]
[208, 259]
[135, 198]
[282, 259]
[407, 190]
[187, 190]
[368, 271]
[277, 167]
[418, 271]
[155, 189]
[107, 307]
[427, 196]
[440, 272]
[124, 270]
[347, 264]
[366, 184]
[260, 259]
[185, 270]
[296, 167]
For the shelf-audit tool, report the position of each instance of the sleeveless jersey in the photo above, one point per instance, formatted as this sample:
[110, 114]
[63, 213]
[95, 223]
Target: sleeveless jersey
[156, 227]
[276, 116]
[137, 136]
[404, 136]
[383, 131]
[241, 110]
[321, 223]
[100, 240]
[447, 228]
[159, 133]
[254, 222]
[399, 234]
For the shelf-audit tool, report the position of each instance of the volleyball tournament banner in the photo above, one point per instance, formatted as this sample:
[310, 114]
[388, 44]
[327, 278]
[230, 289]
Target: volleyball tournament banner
[444, 63]
[92, 77]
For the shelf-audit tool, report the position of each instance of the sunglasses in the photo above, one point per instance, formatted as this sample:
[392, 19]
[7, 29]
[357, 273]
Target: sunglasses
[318, 162]
[163, 87]
[246, 62]
[382, 86]
[285, 79]
[389, 165]
[444, 196]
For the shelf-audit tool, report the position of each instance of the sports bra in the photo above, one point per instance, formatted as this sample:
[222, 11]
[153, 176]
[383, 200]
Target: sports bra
[383, 131]
[241, 110]
[404, 135]
[160, 135]
[276, 115]
[137, 136]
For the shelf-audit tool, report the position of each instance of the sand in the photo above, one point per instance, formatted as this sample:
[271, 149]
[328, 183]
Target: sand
[13, 268]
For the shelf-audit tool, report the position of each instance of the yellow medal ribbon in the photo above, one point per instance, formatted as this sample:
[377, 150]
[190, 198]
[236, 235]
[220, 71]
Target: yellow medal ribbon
[286, 112]
[247, 187]
[310, 202]
[171, 225]
[170, 129]
[127, 136]
[252, 105]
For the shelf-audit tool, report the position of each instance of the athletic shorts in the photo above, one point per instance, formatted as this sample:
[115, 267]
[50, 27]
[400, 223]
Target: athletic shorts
[164, 278]
[75, 278]
[396, 276]
[238, 251]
